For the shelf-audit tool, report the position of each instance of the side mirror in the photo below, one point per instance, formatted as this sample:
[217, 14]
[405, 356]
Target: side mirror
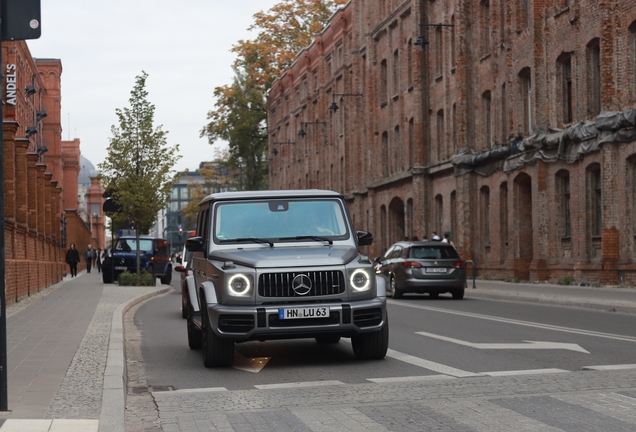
[194, 244]
[364, 238]
[179, 268]
[378, 259]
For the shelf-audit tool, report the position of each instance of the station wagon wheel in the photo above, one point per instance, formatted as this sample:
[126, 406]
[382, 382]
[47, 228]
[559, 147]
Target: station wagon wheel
[394, 292]
[433, 295]
[217, 352]
[458, 294]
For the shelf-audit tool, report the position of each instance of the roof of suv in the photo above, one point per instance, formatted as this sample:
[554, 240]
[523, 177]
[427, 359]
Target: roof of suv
[300, 193]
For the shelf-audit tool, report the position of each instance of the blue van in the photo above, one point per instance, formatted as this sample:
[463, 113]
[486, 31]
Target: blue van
[154, 256]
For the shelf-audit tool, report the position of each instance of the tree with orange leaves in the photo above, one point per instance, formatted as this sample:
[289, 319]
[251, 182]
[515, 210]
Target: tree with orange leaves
[240, 114]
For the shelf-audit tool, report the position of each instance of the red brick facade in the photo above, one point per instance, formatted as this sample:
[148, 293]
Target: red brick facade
[40, 176]
[496, 77]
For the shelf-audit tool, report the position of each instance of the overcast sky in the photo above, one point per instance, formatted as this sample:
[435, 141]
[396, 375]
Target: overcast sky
[184, 46]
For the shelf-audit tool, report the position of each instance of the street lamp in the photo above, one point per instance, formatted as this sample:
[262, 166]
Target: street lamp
[421, 41]
[334, 106]
[302, 133]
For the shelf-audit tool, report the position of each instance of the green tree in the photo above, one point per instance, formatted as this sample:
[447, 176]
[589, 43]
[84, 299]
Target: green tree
[138, 167]
[240, 114]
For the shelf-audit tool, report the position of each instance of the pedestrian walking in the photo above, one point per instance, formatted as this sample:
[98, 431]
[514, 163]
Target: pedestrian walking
[98, 260]
[448, 240]
[89, 256]
[435, 236]
[72, 258]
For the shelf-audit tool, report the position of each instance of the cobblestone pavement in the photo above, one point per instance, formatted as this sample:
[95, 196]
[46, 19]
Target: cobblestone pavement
[572, 401]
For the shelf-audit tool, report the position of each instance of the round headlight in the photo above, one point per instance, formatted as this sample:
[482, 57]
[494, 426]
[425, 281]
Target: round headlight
[360, 280]
[239, 285]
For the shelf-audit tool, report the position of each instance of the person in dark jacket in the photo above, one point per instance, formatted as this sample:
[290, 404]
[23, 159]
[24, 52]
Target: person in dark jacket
[72, 258]
[89, 256]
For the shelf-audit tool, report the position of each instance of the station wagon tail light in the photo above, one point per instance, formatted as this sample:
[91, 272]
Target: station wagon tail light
[411, 264]
[239, 285]
[458, 264]
[360, 280]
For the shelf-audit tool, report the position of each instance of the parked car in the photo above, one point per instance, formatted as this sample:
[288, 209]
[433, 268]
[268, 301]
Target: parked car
[154, 255]
[185, 271]
[423, 267]
[264, 269]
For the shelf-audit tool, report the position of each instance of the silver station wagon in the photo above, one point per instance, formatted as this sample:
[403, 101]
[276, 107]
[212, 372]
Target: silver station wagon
[431, 267]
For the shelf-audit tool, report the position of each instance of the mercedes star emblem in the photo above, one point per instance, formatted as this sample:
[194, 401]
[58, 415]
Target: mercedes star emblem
[301, 284]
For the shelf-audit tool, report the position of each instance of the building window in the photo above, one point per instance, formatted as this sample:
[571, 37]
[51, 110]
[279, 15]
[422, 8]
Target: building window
[485, 26]
[409, 218]
[385, 154]
[503, 219]
[593, 52]
[524, 14]
[439, 214]
[525, 82]
[632, 59]
[396, 72]
[438, 51]
[411, 153]
[454, 126]
[563, 184]
[398, 155]
[409, 63]
[564, 80]
[484, 214]
[595, 200]
[384, 96]
[487, 118]
[504, 113]
[453, 215]
[453, 52]
[440, 135]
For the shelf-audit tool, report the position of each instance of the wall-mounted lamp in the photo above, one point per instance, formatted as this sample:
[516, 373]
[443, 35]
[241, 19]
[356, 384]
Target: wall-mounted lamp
[39, 115]
[421, 41]
[334, 107]
[42, 149]
[28, 91]
[274, 151]
[302, 133]
[30, 131]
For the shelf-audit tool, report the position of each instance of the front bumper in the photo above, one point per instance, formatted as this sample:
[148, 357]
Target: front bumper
[345, 319]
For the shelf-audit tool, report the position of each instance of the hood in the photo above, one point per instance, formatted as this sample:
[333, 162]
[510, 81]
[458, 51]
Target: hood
[309, 256]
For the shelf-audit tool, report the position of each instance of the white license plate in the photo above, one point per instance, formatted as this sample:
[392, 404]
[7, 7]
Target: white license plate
[299, 313]
[435, 270]
[121, 268]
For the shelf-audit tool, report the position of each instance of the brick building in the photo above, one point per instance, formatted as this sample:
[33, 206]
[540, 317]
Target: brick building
[40, 176]
[509, 124]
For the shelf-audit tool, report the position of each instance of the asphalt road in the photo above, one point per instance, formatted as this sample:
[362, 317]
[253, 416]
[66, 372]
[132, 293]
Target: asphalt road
[427, 338]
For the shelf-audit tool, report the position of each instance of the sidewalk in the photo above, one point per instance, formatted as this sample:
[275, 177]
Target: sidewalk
[65, 356]
[65, 347]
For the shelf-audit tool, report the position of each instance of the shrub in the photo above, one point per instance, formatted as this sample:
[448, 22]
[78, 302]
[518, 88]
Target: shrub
[130, 279]
[568, 280]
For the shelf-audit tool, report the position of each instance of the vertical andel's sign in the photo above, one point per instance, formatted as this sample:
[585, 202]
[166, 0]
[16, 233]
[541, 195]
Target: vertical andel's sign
[10, 90]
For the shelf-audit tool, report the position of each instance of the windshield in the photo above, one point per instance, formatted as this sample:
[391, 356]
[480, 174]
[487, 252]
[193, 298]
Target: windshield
[280, 219]
[130, 245]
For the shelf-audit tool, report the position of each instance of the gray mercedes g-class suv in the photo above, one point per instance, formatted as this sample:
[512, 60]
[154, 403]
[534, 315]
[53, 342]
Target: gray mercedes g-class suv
[281, 265]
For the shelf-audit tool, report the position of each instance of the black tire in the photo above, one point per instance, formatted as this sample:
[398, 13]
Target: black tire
[195, 338]
[329, 339]
[393, 288]
[217, 352]
[167, 278]
[184, 306]
[107, 278]
[371, 346]
[433, 295]
[458, 294]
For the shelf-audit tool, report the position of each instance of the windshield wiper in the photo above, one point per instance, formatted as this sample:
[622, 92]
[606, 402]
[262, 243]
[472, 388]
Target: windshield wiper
[248, 239]
[309, 237]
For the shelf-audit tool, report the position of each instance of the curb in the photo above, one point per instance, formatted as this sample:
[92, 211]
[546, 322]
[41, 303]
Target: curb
[112, 417]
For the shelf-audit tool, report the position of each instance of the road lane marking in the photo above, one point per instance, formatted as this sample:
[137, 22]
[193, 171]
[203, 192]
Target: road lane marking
[427, 364]
[299, 384]
[498, 346]
[518, 322]
[525, 372]
[610, 367]
[411, 379]
[194, 390]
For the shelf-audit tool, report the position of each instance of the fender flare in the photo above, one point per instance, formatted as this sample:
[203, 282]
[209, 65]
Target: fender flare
[381, 286]
[210, 292]
[192, 293]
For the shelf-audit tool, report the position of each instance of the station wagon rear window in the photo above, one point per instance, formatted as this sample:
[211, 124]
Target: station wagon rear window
[432, 252]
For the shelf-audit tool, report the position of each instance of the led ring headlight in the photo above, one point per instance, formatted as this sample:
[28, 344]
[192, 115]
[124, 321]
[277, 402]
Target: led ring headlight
[238, 285]
[360, 280]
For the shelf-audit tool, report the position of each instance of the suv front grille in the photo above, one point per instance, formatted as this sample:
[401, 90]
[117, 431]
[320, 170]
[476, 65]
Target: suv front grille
[323, 283]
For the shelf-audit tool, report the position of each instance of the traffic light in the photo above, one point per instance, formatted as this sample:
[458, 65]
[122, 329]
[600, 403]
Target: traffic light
[180, 230]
